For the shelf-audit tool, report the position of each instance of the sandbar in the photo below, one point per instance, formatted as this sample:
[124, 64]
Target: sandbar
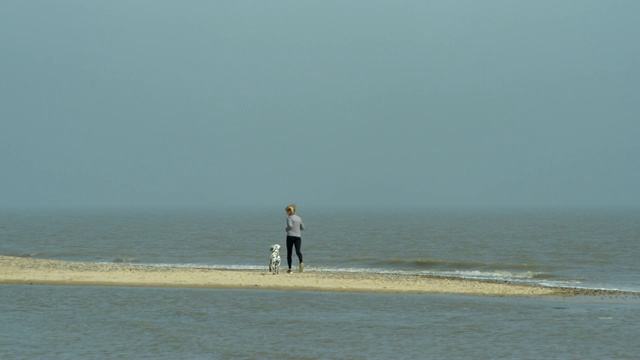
[23, 270]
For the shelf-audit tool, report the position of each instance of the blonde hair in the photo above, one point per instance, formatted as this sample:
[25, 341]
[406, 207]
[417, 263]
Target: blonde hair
[291, 208]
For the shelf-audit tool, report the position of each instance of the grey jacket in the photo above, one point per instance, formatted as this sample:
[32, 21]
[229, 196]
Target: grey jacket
[294, 225]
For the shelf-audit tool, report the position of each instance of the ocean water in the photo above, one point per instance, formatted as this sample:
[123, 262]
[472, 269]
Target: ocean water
[586, 248]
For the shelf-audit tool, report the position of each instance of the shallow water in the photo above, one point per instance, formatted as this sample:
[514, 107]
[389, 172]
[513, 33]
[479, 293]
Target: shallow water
[58, 322]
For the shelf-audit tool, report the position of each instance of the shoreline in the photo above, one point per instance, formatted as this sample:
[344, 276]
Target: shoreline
[32, 271]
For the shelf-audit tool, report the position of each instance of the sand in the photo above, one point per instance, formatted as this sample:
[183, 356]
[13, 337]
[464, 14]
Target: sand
[18, 270]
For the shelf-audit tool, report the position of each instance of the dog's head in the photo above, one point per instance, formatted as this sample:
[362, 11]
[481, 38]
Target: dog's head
[275, 248]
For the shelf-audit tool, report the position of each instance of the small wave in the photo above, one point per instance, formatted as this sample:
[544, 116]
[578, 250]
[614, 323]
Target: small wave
[493, 275]
[202, 266]
[432, 264]
[125, 260]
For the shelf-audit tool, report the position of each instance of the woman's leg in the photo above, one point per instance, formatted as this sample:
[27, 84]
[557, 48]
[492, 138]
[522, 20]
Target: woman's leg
[289, 249]
[298, 244]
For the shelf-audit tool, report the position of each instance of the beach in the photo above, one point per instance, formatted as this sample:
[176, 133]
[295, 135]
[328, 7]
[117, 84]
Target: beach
[18, 270]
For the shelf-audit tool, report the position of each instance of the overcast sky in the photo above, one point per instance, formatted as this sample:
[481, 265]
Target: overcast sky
[131, 103]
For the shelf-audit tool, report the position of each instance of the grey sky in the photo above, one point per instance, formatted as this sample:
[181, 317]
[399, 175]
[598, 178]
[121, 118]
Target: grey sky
[323, 103]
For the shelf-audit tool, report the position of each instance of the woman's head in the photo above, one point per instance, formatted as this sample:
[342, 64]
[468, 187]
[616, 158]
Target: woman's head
[291, 209]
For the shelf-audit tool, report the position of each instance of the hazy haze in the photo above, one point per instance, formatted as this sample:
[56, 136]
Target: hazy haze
[323, 103]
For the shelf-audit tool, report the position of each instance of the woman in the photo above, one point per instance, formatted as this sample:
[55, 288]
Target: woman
[294, 229]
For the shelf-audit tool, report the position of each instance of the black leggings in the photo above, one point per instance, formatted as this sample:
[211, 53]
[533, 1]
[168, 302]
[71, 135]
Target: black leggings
[291, 241]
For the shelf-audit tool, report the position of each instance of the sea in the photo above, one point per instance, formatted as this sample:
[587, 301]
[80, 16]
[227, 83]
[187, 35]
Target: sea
[587, 248]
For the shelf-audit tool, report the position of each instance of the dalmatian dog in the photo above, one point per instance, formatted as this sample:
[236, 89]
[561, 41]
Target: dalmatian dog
[274, 259]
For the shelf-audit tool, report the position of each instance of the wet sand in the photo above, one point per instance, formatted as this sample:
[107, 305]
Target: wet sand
[17, 270]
